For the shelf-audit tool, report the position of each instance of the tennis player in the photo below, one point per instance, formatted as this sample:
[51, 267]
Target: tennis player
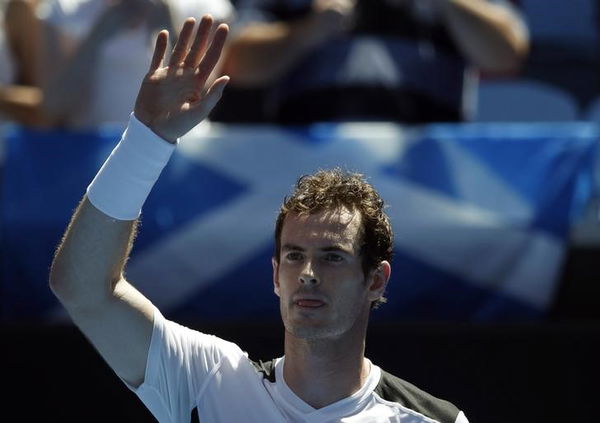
[330, 268]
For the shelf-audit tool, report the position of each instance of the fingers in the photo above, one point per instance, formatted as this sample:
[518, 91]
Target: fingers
[202, 55]
[200, 42]
[181, 47]
[212, 55]
[216, 89]
[160, 48]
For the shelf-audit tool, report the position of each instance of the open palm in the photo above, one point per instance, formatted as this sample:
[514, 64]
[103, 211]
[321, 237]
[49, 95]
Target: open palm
[174, 98]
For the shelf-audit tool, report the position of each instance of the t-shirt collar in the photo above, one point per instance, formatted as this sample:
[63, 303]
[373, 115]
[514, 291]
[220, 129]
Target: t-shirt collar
[344, 407]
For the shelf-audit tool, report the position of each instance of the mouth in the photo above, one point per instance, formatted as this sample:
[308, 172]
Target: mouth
[309, 303]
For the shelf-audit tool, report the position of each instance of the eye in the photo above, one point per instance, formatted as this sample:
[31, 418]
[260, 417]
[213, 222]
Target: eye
[293, 256]
[333, 257]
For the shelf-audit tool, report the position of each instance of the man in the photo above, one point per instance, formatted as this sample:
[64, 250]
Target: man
[409, 61]
[330, 267]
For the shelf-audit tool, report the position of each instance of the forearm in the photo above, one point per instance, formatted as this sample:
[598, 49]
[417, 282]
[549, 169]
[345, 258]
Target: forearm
[489, 35]
[262, 53]
[90, 259]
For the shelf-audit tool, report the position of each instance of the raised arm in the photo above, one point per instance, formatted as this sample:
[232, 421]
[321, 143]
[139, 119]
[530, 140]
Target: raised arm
[87, 271]
[491, 36]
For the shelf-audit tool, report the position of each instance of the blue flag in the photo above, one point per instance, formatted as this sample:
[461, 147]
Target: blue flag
[481, 214]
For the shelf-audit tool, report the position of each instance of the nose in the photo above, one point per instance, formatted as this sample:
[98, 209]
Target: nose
[308, 276]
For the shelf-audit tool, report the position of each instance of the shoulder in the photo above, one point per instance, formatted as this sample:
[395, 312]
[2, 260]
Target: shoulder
[189, 347]
[183, 333]
[394, 389]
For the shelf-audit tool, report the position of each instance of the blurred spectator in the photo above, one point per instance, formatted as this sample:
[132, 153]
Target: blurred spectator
[91, 54]
[20, 96]
[20, 14]
[409, 61]
[117, 48]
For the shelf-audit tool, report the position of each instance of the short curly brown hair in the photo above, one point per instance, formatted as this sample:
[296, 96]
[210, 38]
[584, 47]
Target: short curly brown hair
[335, 188]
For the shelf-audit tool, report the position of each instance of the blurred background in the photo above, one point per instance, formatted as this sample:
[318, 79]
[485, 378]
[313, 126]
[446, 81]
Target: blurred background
[480, 129]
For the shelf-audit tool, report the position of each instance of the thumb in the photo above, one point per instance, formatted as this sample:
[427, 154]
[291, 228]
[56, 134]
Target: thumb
[212, 97]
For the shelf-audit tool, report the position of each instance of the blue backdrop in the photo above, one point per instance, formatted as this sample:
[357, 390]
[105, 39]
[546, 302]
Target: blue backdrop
[481, 214]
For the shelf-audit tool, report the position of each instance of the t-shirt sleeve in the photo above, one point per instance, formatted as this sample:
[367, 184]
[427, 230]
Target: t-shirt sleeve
[461, 418]
[181, 362]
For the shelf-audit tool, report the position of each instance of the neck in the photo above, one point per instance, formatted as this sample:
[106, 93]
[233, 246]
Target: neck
[325, 371]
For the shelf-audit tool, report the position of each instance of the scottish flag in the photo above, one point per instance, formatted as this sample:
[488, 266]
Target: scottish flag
[481, 214]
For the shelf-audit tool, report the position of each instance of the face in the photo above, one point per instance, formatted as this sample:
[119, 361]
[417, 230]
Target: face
[323, 290]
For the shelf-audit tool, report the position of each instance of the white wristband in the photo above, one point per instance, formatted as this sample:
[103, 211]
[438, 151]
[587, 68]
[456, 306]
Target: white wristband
[125, 179]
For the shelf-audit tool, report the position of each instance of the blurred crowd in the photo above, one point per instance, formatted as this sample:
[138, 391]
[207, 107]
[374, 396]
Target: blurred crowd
[78, 63]
[400, 60]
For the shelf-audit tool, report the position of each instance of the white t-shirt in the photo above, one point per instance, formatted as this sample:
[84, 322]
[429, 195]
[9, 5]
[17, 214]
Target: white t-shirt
[124, 59]
[189, 370]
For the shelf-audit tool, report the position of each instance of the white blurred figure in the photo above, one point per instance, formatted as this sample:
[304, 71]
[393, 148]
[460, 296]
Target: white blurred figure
[95, 52]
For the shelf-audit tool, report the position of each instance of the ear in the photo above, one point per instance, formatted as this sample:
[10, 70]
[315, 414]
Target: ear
[275, 275]
[379, 279]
